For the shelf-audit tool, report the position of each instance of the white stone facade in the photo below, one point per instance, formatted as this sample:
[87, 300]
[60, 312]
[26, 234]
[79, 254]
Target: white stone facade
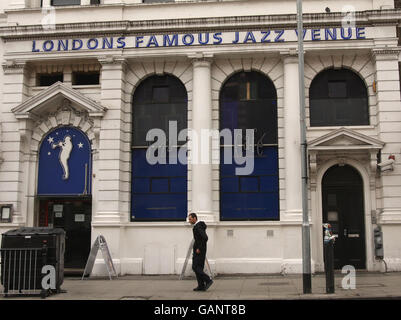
[103, 112]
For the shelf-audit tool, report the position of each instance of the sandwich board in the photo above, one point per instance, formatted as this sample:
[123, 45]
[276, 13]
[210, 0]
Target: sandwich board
[100, 243]
[186, 262]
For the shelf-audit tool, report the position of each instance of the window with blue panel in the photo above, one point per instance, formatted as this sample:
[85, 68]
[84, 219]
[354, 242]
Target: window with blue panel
[159, 191]
[248, 100]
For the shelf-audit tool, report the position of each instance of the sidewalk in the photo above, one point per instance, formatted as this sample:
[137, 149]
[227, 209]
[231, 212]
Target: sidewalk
[369, 285]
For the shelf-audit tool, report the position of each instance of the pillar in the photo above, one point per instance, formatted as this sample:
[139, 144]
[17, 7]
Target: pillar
[201, 160]
[292, 140]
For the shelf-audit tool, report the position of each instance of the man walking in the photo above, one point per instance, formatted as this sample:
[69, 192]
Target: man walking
[199, 253]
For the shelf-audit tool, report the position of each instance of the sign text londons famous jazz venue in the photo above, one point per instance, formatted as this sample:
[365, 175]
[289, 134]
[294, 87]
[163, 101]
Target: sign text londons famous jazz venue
[198, 39]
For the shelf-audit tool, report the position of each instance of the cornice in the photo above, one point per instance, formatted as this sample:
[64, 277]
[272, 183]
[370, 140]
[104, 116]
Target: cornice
[109, 28]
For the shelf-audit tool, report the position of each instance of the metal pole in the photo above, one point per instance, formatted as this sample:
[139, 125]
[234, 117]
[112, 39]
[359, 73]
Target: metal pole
[306, 256]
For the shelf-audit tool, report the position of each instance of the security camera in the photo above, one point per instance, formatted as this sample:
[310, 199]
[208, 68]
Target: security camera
[386, 165]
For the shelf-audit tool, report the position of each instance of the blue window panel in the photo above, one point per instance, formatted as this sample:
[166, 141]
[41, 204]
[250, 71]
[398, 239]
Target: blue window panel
[229, 114]
[163, 191]
[65, 163]
[178, 184]
[269, 183]
[266, 164]
[159, 185]
[141, 185]
[244, 206]
[141, 167]
[249, 184]
[257, 197]
[230, 184]
[159, 206]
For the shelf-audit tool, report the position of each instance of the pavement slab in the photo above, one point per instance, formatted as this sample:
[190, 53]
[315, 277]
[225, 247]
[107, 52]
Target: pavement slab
[236, 287]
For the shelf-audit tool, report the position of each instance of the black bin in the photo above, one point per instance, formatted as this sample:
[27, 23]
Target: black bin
[25, 251]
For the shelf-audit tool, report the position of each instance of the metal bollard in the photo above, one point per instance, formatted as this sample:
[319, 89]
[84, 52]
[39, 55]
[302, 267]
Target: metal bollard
[329, 258]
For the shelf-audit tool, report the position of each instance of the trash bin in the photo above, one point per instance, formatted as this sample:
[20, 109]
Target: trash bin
[24, 252]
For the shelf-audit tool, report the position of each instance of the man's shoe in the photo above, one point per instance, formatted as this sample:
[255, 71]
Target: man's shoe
[199, 289]
[207, 286]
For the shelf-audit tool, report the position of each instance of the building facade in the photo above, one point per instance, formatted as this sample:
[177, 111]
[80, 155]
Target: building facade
[98, 98]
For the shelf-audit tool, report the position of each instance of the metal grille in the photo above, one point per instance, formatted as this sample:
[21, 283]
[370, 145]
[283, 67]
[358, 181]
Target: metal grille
[21, 270]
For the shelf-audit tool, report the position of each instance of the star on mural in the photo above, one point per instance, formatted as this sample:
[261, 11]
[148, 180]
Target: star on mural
[50, 140]
[80, 145]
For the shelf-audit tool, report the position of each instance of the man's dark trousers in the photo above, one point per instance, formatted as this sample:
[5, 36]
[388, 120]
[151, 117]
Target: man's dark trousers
[198, 264]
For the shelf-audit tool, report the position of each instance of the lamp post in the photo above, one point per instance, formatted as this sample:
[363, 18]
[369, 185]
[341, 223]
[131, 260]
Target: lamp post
[306, 256]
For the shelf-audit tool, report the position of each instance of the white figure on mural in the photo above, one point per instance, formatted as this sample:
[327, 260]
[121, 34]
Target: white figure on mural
[64, 155]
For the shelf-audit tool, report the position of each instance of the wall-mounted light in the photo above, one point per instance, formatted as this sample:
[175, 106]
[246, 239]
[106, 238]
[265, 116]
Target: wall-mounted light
[6, 213]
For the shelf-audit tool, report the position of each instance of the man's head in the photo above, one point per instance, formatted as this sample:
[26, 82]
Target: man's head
[192, 218]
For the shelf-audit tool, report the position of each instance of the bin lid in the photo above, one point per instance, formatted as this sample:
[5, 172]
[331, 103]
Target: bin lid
[34, 231]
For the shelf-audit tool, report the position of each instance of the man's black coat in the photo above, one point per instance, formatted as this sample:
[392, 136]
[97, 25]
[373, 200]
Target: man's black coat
[200, 237]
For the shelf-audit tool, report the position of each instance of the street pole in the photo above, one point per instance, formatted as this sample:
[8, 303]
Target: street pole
[306, 256]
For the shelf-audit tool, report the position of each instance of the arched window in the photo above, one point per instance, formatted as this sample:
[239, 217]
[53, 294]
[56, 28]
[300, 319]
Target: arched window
[159, 190]
[248, 100]
[338, 98]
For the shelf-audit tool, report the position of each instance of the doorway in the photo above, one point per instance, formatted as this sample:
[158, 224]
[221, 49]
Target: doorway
[343, 208]
[74, 216]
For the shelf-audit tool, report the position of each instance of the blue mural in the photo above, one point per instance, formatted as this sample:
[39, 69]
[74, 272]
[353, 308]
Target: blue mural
[65, 163]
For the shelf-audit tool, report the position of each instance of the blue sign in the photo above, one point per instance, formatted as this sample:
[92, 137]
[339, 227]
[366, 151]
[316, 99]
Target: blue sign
[65, 163]
[198, 39]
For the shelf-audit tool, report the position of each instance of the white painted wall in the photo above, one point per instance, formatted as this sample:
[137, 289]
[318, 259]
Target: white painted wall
[134, 11]
[161, 247]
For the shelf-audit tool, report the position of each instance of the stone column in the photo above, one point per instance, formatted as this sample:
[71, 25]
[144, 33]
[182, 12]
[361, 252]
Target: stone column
[292, 140]
[201, 150]
[111, 195]
[388, 119]
[16, 139]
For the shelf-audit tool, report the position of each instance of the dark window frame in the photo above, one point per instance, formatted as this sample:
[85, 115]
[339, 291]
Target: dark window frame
[84, 78]
[59, 3]
[52, 78]
[330, 111]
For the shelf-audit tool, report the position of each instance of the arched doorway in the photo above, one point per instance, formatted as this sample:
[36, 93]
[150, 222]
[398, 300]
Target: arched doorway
[343, 208]
[64, 191]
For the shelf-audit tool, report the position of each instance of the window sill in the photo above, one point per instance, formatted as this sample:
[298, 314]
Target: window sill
[339, 127]
[86, 86]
